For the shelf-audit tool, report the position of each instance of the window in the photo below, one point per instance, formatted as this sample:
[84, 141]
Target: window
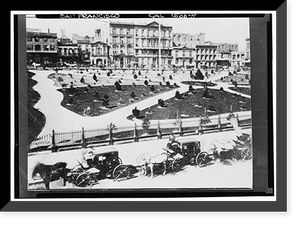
[176, 53]
[183, 53]
[29, 38]
[37, 48]
[114, 31]
[190, 53]
[29, 47]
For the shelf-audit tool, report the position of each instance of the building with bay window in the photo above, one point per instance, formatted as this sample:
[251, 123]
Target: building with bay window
[137, 45]
[206, 56]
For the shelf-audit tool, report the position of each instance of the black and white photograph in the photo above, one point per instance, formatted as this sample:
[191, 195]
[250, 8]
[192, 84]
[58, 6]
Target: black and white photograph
[124, 103]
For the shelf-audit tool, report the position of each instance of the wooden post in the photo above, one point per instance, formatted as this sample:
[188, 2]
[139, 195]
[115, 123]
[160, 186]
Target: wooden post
[135, 133]
[180, 127]
[219, 123]
[238, 120]
[54, 148]
[110, 135]
[159, 136]
[83, 141]
[200, 131]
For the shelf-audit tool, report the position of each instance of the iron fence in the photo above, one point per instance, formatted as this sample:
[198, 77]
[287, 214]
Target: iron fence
[155, 129]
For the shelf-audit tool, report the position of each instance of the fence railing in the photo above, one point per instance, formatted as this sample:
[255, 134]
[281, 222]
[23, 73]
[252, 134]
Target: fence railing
[154, 130]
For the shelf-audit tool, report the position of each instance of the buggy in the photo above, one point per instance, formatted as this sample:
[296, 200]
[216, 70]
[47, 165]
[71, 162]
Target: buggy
[191, 151]
[101, 164]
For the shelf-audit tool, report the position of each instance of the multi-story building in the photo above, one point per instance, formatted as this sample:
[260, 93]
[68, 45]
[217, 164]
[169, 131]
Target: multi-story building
[41, 47]
[99, 50]
[188, 39]
[226, 47]
[137, 44]
[248, 56]
[206, 56]
[67, 50]
[238, 59]
[184, 56]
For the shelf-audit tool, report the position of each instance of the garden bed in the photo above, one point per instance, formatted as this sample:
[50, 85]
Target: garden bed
[243, 90]
[80, 98]
[36, 119]
[194, 105]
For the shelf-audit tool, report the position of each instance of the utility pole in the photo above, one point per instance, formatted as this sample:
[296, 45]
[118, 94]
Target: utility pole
[159, 47]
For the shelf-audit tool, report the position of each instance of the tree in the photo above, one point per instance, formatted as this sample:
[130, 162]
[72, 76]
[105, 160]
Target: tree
[199, 75]
[105, 100]
[118, 86]
[95, 77]
[152, 88]
[132, 95]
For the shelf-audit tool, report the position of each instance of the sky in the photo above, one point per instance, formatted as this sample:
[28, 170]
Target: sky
[228, 30]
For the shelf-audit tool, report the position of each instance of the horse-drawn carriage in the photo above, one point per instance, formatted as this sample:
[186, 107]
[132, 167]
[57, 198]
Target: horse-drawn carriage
[100, 165]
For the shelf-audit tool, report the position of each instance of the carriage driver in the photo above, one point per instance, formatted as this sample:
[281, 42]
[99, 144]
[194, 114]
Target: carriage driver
[173, 146]
[89, 157]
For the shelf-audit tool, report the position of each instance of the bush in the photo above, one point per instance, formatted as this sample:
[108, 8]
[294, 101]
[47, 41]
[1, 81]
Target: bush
[211, 108]
[146, 82]
[152, 88]
[60, 79]
[161, 102]
[118, 86]
[135, 76]
[168, 83]
[132, 95]
[191, 88]
[206, 93]
[178, 95]
[160, 83]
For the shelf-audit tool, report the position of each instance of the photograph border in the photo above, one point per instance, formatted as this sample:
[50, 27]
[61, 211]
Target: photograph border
[109, 205]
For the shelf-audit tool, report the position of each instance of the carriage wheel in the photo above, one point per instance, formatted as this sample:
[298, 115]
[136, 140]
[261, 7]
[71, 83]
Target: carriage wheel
[83, 180]
[176, 165]
[121, 172]
[202, 159]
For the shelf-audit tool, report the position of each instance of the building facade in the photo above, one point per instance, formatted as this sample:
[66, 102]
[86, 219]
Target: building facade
[206, 56]
[190, 40]
[184, 56]
[41, 47]
[238, 59]
[67, 51]
[248, 56]
[136, 45]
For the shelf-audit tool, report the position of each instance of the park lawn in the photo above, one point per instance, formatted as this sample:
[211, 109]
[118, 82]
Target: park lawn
[36, 119]
[193, 105]
[84, 97]
[243, 90]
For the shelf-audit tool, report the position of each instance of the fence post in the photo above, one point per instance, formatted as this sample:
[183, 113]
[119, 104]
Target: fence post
[110, 135]
[54, 148]
[238, 120]
[159, 136]
[135, 133]
[219, 123]
[83, 141]
[200, 131]
[180, 127]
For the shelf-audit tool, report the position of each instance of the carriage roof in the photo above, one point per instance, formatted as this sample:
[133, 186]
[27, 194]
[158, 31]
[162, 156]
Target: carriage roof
[188, 140]
[105, 151]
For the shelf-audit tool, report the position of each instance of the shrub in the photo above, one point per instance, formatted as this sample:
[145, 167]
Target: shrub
[146, 82]
[161, 102]
[132, 95]
[178, 95]
[160, 83]
[152, 88]
[211, 108]
[60, 79]
[168, 83]
[135, 76]
[191, 88]
[170, 77]
[206, 93]
[118, 86]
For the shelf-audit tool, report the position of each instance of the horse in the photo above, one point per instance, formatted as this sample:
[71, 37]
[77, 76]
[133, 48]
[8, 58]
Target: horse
[151, 161]
[51, 173]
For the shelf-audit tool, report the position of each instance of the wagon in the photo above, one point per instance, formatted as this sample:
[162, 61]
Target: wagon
[101, 164]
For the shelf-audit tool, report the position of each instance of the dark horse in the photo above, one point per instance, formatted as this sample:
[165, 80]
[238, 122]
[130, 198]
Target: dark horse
[51, 173]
